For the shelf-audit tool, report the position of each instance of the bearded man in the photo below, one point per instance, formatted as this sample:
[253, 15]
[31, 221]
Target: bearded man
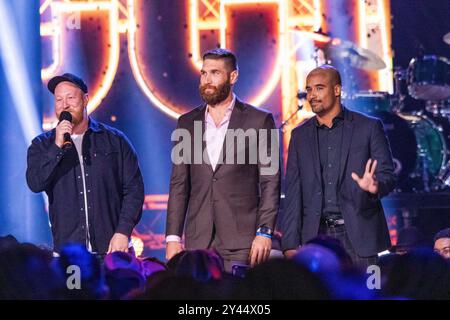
[225, 202]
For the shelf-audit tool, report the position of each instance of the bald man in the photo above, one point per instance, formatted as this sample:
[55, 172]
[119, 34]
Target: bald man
[339, 167]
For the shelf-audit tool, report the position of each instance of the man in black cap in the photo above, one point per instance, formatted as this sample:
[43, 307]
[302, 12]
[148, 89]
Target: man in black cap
[92, 179]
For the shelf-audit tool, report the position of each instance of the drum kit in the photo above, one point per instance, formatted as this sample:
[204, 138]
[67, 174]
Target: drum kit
[419, 137]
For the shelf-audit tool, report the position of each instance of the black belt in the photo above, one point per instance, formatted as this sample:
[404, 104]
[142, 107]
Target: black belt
[332, 223]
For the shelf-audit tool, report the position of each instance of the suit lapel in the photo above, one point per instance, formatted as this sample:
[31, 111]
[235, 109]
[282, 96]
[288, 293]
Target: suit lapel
[200, 116]
[237, 119]
[314, 148]
[346, 141]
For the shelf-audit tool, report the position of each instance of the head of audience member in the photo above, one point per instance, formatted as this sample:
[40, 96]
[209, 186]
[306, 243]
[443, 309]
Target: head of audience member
[121, 260]
[442, 243]
[333, 265]
[417, 274]
[282, 279]
[26, 274]
[123, 273]
[151, 265]
[7, 242]
[317, 259]
[83, 272]
[175, 287]
[125, 284]
[202, 265]
[334, 245]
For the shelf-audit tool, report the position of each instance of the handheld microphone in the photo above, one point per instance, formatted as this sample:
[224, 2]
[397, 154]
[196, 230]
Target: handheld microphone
[65, 115]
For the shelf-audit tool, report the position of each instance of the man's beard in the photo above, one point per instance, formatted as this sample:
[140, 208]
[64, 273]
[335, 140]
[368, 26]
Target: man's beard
[317, 108]
[77, 118]
[220, 93]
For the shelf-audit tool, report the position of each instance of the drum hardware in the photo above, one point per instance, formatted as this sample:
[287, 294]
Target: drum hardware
[369, 101]
[438, 108]
[443, 179]
[418, 144]
[432, 153]
[400, 89]
[336, 49]
[429, 78]
[354, 55]
[420, 139]
[425, 176]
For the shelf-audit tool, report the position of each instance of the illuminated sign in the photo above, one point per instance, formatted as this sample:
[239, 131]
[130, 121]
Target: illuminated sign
[292, 15]
[125, 29]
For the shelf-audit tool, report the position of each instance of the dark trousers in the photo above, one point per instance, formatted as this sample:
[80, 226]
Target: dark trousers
[340, 233]
[231, 257]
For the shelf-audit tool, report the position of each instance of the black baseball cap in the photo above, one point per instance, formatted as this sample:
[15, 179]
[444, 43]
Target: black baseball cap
[66, 77]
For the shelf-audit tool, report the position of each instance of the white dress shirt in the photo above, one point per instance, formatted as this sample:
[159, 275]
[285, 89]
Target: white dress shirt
[214, 138]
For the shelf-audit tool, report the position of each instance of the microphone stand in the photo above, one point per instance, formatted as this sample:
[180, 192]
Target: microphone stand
[281, 127]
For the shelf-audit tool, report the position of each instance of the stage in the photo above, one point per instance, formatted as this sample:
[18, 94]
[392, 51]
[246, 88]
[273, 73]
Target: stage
[141, 61]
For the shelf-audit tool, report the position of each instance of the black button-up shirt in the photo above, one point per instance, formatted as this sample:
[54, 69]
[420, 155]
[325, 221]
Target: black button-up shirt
[114, 186]
[330, 142]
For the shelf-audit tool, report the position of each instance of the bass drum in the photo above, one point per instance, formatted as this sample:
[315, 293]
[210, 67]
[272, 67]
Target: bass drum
[369, 102]
[419, 150]
[429, 78]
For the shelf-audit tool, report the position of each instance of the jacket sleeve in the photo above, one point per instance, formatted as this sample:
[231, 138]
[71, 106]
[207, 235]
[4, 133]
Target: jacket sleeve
[42, 160]
[269, 174]
[132, 190]
[380, 151]
[179, 189]
[290, 219]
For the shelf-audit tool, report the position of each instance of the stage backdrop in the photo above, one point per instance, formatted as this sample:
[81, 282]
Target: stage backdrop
[141, 61]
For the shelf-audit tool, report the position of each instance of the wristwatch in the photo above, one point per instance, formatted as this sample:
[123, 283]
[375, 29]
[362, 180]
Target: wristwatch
[264, 231]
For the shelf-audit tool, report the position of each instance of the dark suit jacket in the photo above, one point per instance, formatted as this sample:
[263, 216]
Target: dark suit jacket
[235, 198]
[363, 138]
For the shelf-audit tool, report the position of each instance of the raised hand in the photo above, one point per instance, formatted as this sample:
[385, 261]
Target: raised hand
[368, 182]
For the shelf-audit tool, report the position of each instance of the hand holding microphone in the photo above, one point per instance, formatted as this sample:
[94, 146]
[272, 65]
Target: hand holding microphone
[64, 130]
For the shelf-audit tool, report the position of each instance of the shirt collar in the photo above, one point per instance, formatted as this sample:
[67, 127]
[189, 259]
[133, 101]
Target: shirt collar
[336, 120]
[228, 112]
[94, 125]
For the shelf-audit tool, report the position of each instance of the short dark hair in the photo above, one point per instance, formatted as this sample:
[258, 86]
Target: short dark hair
[442, 234]
[227, 55]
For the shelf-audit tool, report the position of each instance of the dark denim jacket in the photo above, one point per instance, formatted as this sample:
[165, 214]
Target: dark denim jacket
[114, 186]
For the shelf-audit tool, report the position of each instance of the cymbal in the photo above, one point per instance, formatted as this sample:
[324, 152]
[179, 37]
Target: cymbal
[356, 56]
[319, 39]
[446, 38]
[336, 49]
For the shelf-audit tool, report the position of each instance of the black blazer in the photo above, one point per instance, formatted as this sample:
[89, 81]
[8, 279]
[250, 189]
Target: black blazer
[234, 198]
[363, 138]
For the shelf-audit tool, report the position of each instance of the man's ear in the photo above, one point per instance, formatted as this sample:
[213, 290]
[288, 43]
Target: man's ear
[337, 90]
[85, 99]
[234, 76]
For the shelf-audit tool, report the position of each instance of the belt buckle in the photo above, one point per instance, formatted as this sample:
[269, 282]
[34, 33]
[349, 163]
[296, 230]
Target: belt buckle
[329, 223]
[332, 223]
